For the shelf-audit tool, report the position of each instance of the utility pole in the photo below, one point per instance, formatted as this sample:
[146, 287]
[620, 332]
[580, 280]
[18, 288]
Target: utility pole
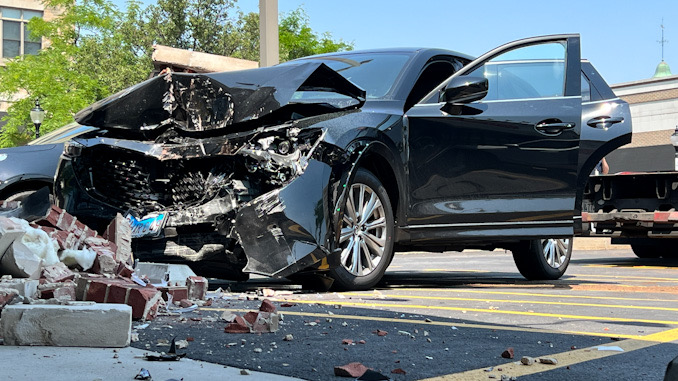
[268, 33]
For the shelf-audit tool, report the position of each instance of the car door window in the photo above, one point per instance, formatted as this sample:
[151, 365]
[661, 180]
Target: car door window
[535, 71]
[585, 89]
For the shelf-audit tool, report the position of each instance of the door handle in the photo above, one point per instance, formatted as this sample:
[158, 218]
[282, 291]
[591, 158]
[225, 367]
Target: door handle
[553, 126]
[604, 122]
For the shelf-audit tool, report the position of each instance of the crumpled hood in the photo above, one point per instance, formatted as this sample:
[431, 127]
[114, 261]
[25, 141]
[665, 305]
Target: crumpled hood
[199, 102]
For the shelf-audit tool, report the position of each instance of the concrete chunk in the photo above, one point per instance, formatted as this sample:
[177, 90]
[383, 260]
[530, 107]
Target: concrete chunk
[99, 325]
[156, 273]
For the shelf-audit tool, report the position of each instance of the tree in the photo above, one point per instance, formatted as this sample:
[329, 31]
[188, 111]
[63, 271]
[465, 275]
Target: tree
[95, 50]
[91, 54]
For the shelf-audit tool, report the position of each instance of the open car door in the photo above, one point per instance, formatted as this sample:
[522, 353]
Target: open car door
[494, 149]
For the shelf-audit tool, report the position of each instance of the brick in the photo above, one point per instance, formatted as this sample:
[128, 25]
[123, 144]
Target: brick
[238, 325]
[98, 325]
[66, 240]
[119, 232]
[25, 287]
[185, 303]
[177, 292]
[144, 301]
[267, 306]
[6, 295]
[61, 291]
[57, 273]
[266, 322]
[104, 263]
[354, 369]
[250, 317]
[197, 287]
[124, 270]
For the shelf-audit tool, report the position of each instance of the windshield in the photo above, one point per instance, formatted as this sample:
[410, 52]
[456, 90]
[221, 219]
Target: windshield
[61, 135]
[376, 73]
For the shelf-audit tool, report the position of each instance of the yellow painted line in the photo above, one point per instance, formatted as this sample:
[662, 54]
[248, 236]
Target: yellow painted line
[436, 323]
[512, 301]
[502, 312]
[622, 277]
[455, 271]
[565, 359]
[429, 290]
[634, 267]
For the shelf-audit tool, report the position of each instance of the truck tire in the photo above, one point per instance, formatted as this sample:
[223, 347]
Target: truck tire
[543, 259]
[664, 248]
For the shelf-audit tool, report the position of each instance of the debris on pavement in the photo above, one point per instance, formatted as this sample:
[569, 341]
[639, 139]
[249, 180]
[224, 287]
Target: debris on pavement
[548, 360]
[171, 355]
[143, 374]
[527, 360]
[354, 369]
[266, 320]
[399, 371]
[613, 348]
[508, 353]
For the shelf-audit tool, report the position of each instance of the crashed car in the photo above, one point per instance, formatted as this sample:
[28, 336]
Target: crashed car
[327, 165]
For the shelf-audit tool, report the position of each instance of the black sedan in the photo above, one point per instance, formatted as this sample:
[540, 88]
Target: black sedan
[25, 169]
[327, 165]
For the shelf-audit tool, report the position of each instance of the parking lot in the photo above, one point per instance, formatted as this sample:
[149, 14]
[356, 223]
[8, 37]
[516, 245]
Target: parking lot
[450, 316]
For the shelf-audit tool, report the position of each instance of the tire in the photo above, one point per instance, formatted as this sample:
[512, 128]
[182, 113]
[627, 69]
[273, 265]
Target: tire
[543, 259]
[666, 248]
[366, 240]
[646, 251]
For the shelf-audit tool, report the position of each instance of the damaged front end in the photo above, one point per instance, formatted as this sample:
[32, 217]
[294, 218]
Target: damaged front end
[215, 169]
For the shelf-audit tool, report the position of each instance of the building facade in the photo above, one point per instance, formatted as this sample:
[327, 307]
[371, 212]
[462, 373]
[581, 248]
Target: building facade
[654, 108]
[15, 40]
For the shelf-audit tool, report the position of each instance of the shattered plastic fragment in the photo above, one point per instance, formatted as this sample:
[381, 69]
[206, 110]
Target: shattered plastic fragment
[144, 374]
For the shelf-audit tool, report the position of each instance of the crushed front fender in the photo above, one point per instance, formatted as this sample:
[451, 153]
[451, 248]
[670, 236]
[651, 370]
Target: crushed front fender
[289, 229]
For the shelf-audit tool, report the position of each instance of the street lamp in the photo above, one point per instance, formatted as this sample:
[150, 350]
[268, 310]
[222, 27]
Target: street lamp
[37, 116]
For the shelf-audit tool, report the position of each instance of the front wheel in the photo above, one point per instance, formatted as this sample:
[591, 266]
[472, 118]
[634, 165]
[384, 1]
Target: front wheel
[543, 259]
[366, 238]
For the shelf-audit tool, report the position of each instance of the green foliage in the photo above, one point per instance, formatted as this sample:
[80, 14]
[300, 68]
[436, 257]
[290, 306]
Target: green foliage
[92, 53]
[298, 40]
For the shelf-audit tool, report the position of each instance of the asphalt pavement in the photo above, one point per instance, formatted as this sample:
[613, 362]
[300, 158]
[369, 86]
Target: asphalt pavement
[450, 317]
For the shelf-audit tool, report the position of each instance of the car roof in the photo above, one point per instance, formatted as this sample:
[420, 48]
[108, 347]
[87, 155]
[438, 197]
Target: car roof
[407, 50]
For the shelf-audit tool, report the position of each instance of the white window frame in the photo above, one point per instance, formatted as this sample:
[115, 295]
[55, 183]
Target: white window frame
[23, 21]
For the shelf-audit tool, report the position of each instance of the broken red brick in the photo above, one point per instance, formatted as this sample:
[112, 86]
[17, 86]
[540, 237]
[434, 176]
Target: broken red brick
[126, 271]
[62, 291]
[267, 306]
[185, 303]
[144, 301]
[346, 341]
[190, 338]
[197, 287]
[362, 342]
[379, 332]
[398, 371]
[354, 369]
[265, 322]
[177, 292]
[286, 305]
[251, 317]
[57, 273]
[104, 263]
[119, 232]
[508, 353]
[239, 325]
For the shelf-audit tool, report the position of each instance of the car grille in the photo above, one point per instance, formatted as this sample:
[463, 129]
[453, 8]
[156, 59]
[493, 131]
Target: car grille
[133, 181]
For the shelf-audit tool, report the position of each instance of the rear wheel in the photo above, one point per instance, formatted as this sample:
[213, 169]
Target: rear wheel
[366, 238]
[665, 248]
[543, 259]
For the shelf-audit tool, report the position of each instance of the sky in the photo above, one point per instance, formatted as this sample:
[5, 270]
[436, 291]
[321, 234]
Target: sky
[620, 37]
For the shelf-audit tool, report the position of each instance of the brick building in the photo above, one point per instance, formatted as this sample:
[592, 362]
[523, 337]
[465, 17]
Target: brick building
[14, 37]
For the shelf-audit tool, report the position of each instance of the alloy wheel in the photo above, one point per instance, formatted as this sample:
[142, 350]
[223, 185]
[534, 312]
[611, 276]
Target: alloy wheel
[555, 251]
[363, 231]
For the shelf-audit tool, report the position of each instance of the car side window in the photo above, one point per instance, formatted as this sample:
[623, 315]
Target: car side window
[535, 71]
[433, 74]
[585, 89]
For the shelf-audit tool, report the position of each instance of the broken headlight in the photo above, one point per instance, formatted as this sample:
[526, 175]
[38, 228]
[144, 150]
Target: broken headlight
[282, 156]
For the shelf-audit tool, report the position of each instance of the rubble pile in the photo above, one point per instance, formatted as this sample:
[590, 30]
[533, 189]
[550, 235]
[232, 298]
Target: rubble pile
[49, 257]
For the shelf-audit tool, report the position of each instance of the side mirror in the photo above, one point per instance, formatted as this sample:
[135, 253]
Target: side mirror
[465, 90]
